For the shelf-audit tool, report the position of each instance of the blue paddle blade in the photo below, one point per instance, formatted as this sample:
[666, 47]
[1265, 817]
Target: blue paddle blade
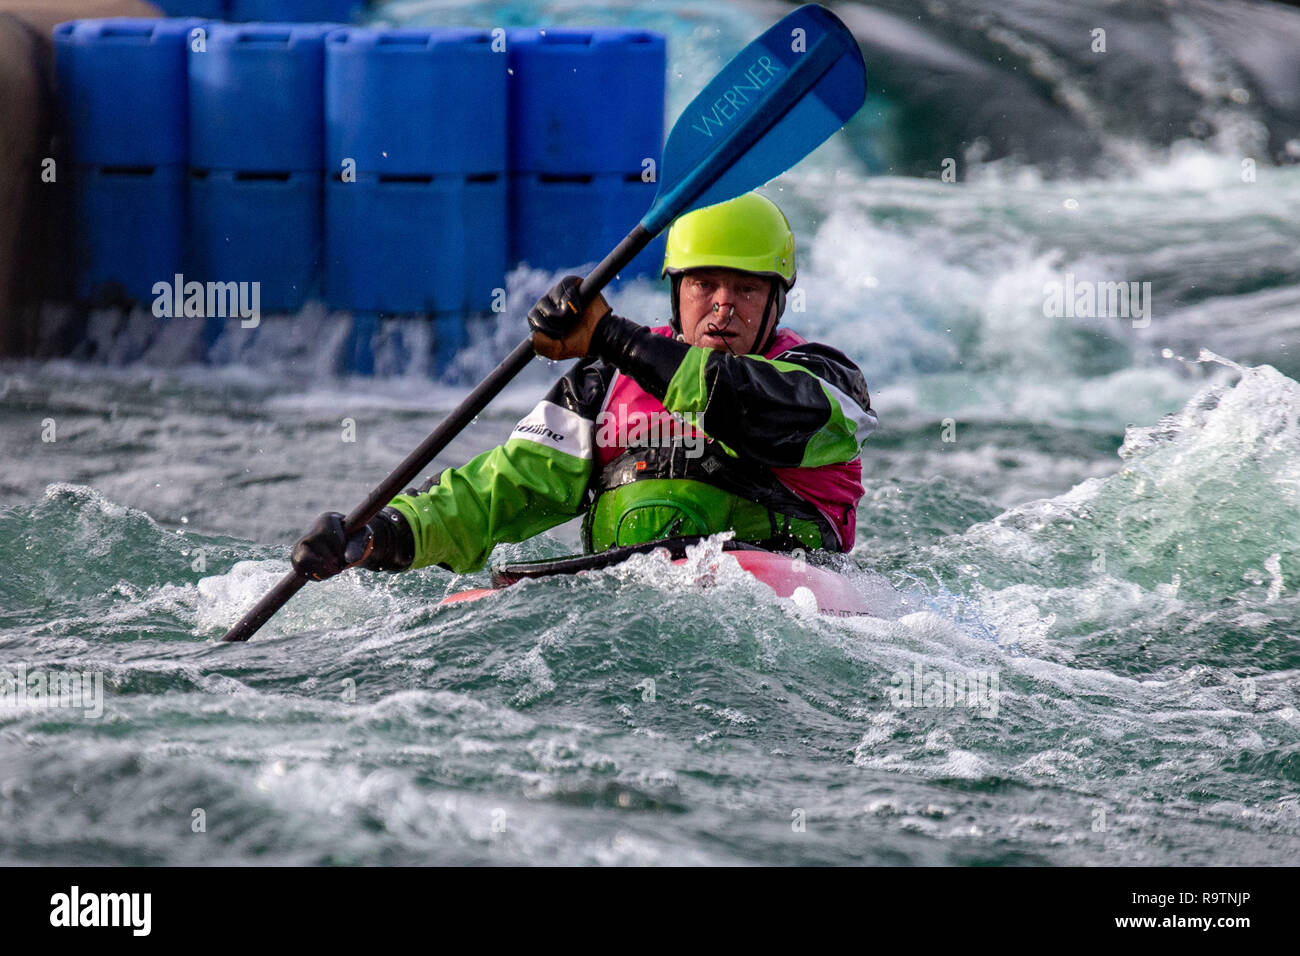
[772, 105]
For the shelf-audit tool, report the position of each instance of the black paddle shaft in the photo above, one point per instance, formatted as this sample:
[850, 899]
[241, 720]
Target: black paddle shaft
[411, 466]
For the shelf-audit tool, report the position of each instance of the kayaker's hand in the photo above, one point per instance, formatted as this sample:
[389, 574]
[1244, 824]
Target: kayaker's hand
[559, 331]
[324, 551]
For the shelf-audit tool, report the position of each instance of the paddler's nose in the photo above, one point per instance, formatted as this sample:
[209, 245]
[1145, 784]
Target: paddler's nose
[724, 307]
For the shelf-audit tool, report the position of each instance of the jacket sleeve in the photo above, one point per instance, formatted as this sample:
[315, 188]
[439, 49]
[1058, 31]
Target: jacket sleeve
[805, 408]
[533, 482]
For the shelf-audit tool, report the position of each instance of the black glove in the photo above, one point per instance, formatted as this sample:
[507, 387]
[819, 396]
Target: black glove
[557, 312]
[560, 330]
[325, 551]
[386, 543]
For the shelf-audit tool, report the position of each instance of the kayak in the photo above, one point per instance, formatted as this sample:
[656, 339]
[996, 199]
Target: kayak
[786, 574]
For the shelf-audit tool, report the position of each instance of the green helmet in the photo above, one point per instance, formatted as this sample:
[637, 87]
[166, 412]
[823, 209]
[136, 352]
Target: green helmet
[749, 233]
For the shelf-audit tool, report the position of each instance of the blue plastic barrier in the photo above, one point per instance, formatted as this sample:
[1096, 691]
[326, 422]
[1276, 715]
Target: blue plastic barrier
[253, 227]
[383, 153]
[415, 102]
[122, 84]
[359, 349]
[586, 161]
[415, 208]
[255, 98]
[294, 11]
[266, 11]
[415, 245]
[371, 335]
[129, 228]
[587, 100]
[598, 210]
[207, 9]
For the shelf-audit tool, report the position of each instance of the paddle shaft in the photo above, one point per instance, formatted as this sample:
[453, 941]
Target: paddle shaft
[439, 438]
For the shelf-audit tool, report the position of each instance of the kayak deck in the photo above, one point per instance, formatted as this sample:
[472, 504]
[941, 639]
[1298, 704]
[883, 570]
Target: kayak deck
[785, 574]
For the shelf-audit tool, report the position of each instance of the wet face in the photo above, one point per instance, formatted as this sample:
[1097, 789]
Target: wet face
[723, 308]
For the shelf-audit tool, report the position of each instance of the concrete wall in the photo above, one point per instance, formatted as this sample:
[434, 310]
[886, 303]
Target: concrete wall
[32, 255]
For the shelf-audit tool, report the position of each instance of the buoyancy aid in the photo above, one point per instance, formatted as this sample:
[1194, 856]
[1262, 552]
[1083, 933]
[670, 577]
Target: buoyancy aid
[657, 476]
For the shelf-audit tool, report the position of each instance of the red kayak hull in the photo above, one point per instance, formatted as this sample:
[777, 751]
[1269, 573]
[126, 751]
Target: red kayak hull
[781, 572]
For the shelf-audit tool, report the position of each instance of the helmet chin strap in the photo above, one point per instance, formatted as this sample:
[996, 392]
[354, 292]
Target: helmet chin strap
[676, 323]
[763, 341]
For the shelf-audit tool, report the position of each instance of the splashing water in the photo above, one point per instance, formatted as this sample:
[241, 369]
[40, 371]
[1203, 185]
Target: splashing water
[1095, 541]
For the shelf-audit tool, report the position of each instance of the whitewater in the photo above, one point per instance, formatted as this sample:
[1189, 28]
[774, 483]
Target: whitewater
[1090, 524]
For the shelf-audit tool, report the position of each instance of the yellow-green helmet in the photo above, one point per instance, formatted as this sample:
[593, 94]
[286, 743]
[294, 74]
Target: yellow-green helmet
[749, 233]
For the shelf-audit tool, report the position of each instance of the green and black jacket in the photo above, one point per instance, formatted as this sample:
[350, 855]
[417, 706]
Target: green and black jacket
[795, 417]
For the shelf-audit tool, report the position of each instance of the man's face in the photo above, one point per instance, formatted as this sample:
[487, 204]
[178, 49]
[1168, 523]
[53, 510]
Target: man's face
[723, 308]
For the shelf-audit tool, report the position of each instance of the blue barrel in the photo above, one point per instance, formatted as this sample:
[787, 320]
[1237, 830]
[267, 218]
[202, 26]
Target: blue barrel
[587, 100]
[258, 227]
[128, 229]
[415, 210]
[406, 245]
[207, 9]
[122, 83]
[449, 338]
[383, 345]
[359, 349]
[294, 11]
[414, 102]
[255, 98]
[487, 218]
[596, 210]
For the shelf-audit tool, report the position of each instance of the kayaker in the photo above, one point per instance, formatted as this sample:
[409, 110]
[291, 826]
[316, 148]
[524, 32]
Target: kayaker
[719, 421]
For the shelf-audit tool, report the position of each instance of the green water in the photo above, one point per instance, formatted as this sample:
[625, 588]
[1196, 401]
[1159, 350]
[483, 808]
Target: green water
[1146, 706]
[1077, 509]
